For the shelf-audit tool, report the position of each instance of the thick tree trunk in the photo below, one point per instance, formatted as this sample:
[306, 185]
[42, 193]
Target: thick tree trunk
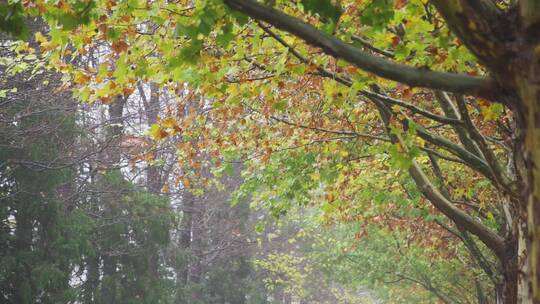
[527, 80]
[529, 91]
[523, 292]
[507, 292]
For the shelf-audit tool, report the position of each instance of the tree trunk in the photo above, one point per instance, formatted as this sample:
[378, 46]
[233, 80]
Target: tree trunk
[154, 180]
[527, 80]
[188, 201]
[195, 267]
[152, 106]
[23, 291]
[108, 288]
[113, 156]
[523, 288]
[506, 292]
[92, 280]
[529, 91]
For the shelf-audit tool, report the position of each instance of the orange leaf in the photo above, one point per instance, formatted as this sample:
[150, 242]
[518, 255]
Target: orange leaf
[127, 91]
[187, 183]
[119, 46]
[400, 3]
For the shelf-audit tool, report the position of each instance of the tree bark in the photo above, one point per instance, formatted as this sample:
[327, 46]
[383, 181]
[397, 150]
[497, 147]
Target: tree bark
[527, 82]
[92, 280]
[195, 267]
[186, 226]
[152, 106]
[530, 93]
[23, 291]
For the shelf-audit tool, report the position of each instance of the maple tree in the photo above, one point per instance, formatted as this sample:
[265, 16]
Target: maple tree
[316, 95]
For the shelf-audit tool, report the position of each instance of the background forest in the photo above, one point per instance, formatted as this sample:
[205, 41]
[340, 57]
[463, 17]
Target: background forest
[181, 152]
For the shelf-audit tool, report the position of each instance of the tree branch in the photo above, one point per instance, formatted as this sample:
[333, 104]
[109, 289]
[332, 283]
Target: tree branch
[462, 219]
[479, 25]
[413, 108]
[366, 44]
[428, 286]
[414, 77]
[497, 172]
[491, 239]
[347, 82]
[451, 111]
[473, 250]
[469, 158]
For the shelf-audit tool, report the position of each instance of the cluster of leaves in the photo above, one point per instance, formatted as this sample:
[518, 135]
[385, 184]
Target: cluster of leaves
[298, 118]
[351, 263]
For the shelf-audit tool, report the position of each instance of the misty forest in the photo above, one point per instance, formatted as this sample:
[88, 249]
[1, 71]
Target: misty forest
[269, 151]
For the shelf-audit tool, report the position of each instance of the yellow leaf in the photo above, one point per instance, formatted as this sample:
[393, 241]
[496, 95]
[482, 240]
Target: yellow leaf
[40, 38]
[168, 122]
[187, 183]
[232, 90]
[81, 78]
[157, 133]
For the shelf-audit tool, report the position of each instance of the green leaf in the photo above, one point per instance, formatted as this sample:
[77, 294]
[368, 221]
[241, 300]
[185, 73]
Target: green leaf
[225, 38]
[259, 227]
[12, 20]
[191, 53]
[329, 12]
[185, 30]
[378, 13]
[280, 105]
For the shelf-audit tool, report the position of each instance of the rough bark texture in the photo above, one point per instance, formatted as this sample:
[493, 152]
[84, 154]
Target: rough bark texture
[527, 82]
[530, 92]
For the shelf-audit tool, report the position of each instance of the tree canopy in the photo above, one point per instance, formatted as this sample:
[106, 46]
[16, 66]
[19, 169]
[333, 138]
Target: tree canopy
[416, 116]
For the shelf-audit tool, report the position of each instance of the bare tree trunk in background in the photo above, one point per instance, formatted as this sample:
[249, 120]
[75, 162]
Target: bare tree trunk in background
[188, 203]
[197, 235]
[23, 241]
[152, 105]
[92, 279]
[154, 180]
[113, 156]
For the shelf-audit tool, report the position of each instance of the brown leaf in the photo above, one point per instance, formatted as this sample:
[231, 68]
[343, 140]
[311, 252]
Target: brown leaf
[119, 46]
